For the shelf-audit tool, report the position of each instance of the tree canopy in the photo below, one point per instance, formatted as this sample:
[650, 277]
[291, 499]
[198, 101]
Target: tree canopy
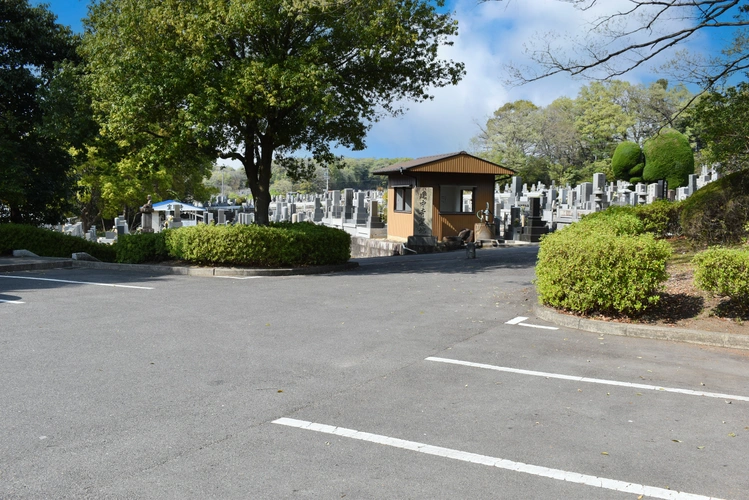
[260, 80]
[35, 181]
[719, 118]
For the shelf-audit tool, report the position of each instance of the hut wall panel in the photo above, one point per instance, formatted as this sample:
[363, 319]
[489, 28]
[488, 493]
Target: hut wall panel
[451, 225]
[400, 225]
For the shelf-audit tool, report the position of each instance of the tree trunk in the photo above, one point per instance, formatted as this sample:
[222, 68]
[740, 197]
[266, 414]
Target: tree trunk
[262, 205]
[15, 215]
[258, 171]
[260, 191]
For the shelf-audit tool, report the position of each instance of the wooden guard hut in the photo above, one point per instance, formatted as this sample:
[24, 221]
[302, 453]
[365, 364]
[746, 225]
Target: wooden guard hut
[438, 196]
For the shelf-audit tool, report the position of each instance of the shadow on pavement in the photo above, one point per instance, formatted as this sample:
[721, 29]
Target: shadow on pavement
[487, 259]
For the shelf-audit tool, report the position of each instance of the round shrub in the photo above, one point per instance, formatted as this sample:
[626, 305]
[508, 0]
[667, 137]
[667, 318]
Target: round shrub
[719, 211]
[668, 156]
[725, 272]
[602, 264]
[601, 273]
[627, 160]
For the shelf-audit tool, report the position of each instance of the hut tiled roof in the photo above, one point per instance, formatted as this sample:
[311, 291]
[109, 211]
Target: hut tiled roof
[426, 160]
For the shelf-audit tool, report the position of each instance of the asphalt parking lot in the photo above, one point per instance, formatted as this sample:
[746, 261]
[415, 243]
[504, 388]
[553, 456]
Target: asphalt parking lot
[413, 377]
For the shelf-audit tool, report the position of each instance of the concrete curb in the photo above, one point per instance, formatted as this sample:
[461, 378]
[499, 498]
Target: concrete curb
[179, 270]
[717, 339]
[36, 265]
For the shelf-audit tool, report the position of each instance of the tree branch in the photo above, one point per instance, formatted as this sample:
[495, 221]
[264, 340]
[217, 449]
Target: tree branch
[611, 29]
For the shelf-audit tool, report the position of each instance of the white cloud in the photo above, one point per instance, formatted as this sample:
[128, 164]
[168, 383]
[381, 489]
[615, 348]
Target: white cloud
[492, 34]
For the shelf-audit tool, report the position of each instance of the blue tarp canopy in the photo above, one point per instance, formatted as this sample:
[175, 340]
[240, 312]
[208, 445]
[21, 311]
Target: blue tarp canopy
[168, 206]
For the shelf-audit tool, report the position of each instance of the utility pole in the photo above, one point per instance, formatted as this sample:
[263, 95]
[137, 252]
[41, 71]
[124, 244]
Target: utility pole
[222, 181]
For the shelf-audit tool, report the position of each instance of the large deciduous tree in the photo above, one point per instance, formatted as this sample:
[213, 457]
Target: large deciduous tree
[259, 80]
[35, 181]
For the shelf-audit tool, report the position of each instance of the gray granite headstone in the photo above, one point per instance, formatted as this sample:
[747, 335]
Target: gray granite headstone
[348, 203]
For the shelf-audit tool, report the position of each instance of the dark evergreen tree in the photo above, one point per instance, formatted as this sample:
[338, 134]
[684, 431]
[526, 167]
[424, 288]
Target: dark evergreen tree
[35, 181]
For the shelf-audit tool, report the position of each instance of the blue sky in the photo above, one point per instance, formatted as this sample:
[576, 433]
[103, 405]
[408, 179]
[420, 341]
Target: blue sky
[491, 34]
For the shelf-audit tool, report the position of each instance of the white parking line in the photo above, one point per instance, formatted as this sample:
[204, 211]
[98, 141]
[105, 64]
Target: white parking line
[239, 277]
[520, 319]
[78, 282]
[539, 326]
[536, 470]
[11, 301]
[574, 378]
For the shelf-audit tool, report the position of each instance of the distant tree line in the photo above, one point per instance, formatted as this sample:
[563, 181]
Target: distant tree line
[572, 138]
[355, 173]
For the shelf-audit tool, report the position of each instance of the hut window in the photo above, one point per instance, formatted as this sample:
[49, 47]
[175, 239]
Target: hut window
[403, 199]
[457, 199]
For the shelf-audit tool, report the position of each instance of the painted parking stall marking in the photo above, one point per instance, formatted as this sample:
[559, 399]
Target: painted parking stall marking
[575, 378]
[501, 463]
[520, 322]
[78, 282]
[11, 301]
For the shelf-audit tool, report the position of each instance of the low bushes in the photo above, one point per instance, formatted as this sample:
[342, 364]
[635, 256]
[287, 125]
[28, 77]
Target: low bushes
[285, 244]
[602, 264]
[48, 243]
[279, 245]
[616, 220]
[661, 218]
[724, 272]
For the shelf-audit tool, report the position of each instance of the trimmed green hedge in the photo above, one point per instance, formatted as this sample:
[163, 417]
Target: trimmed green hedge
[602, 264]
[285, 244]
[141, 247]
[725, 272]
[668, 156]
[627, 161]
[46, 243]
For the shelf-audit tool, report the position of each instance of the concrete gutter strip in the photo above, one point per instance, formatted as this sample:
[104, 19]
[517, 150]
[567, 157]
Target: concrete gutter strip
[48, 263]
[717, 339]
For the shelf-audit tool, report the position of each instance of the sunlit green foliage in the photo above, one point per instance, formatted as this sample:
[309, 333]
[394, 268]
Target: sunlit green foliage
[725, 272]
[602, 264]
